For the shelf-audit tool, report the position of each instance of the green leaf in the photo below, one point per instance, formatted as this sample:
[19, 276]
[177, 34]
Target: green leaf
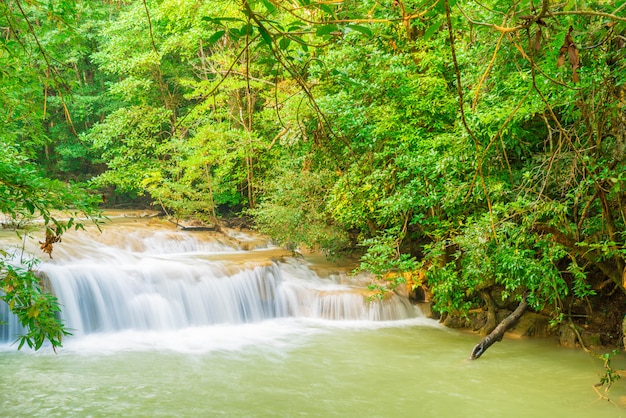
[440, 7]
[284, 43]
[246, 29]
[326, 30]
[265, 35]
[326, 8]
[299, 40]
[269, 6]
[216, 37]
[294, 26]
[219, 20]
[363, 29]
[433, 29]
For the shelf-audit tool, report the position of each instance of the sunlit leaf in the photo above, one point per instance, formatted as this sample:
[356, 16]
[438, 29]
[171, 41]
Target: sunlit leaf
[362, 29]
[432, 29]
[216, 37]
[326, 30]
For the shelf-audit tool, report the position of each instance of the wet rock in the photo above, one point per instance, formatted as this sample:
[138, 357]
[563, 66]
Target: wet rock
[591, 339]
[475, 320]
[567, 336]
[453, 321]
[501, 314]
[532, 325]
[426, 308]
[417, 294]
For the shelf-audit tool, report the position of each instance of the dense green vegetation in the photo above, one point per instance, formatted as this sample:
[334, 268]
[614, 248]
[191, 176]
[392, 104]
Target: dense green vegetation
[481, 142]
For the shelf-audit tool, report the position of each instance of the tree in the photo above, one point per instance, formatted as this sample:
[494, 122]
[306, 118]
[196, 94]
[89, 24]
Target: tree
[26, 194]
[32, 89]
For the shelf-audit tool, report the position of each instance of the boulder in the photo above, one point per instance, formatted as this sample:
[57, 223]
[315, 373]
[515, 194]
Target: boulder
[531, 324]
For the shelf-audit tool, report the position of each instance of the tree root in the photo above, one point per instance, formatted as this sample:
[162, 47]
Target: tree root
[580, 338]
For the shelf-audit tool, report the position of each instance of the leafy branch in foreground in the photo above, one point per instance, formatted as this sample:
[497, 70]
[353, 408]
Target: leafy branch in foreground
[609, 374]
[26, 194]
[35, 309]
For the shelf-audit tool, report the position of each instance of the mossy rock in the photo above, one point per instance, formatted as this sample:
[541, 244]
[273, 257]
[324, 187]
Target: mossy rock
[567, 336]
[532, 325]
[591, 339]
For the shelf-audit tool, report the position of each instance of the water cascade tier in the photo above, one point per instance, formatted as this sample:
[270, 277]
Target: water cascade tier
[157, 279]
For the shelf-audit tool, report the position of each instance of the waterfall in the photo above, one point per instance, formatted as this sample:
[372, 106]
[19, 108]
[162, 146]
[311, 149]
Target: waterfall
[138, 279]
[163, 295]
[9, 325]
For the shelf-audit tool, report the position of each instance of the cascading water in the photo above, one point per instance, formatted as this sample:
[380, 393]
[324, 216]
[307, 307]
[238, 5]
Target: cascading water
[163, 280]
[157, 294]
[9, 325]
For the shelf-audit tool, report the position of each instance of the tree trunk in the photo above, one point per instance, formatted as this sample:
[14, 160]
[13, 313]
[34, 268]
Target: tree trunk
[492, 321]
[497, 334]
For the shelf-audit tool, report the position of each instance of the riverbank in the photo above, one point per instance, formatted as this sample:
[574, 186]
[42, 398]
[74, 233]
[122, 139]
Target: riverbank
[589, 324]
[594, 324]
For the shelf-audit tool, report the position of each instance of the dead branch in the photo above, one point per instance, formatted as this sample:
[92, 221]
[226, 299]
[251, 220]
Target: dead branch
[497, 334]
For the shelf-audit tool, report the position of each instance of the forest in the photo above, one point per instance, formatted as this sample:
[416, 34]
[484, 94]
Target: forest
[472, 149]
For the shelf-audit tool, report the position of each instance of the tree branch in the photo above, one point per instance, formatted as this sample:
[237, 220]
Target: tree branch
[589, 13]
[497, 334]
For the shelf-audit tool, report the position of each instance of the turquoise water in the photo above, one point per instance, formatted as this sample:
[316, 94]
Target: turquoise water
[293, 368]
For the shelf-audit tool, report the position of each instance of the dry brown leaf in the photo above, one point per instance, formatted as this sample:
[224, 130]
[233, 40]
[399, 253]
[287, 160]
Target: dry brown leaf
[47, 245]
[569, 48]
[561, 59]
[538, 40]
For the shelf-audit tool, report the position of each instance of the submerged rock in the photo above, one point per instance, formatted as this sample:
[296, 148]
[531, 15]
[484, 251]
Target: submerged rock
[567, 336]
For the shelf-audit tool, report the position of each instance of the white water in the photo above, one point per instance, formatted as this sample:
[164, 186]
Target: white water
[155, 287]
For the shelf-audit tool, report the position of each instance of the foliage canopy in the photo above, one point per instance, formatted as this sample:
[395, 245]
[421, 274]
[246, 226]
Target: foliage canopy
[481, 142]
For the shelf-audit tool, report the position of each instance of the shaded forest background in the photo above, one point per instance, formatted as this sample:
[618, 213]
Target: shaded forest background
[474, 148]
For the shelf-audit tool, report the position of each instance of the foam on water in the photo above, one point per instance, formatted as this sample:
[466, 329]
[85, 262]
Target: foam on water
[279, 334]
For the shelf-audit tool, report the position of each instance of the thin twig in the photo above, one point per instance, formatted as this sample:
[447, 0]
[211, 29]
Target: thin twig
[55, 75]
[482, 79]
[145, 5]
[288, 66]
[219, 83]
[589, 13]
[502, 29]
[464, 120]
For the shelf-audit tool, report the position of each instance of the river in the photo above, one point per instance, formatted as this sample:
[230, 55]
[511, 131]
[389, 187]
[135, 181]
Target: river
[169, 323]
